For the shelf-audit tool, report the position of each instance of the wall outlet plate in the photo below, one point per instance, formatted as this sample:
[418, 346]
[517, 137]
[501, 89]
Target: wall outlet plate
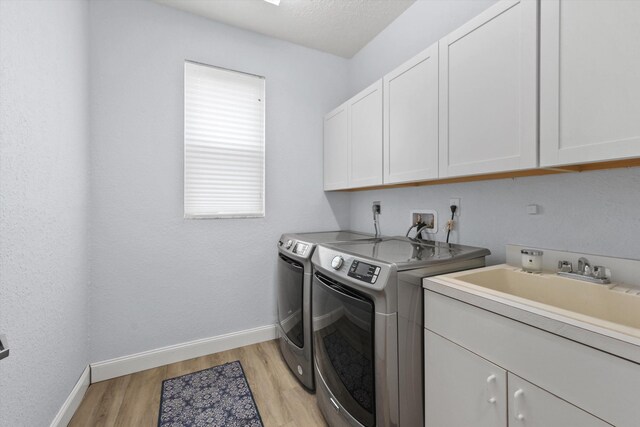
[428, 216]
[533, 209]
[455, 202]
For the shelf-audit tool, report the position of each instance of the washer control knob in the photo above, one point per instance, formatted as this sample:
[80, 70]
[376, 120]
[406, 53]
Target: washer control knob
[337, 262]
[289, 244]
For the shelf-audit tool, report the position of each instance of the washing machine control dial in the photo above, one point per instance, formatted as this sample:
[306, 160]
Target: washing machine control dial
[289, 244]
[337, 262]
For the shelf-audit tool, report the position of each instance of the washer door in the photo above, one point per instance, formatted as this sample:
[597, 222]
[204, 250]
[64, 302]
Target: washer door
[290, 286]
[343, 327]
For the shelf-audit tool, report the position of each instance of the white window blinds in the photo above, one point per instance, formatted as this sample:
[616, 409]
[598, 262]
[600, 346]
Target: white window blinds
[223, 143]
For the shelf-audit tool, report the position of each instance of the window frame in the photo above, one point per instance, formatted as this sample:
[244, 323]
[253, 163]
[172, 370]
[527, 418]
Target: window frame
[261, 214]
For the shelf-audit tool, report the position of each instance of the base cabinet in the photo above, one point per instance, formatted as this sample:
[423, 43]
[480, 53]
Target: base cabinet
[541, 379]
[532, 406]
[463, 389]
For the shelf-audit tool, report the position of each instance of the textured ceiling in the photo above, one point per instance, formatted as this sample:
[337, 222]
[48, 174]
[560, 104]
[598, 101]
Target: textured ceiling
[341, 27]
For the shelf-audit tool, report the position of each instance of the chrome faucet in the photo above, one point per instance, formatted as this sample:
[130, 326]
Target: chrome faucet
[565, 267]
[583, 266]
[595, 274]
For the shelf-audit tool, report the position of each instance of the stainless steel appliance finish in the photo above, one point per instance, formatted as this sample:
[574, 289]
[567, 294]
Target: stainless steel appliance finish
[4, 347]
[294, 297]
[368, 326]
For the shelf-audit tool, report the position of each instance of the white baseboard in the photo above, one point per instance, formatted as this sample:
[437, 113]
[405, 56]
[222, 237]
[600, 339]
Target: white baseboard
[72, 403]
[125, 365]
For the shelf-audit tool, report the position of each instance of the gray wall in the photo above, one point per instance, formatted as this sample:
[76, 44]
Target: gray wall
[592, 212]
[43, 205]
[157, 279]
[421, 25]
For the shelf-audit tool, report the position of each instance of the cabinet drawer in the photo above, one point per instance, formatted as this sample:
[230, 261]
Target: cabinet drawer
[599, 383]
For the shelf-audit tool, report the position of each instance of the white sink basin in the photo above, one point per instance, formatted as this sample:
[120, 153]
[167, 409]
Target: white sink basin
[602, 305]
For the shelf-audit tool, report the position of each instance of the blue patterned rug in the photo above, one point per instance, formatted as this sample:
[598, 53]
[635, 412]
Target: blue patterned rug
[215, 397]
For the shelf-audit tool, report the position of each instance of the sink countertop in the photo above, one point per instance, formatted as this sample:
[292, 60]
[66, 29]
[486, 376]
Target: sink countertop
[614, 338]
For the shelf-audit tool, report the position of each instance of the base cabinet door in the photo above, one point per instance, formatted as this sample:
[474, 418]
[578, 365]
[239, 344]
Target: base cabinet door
[532, 406]
[589, 84]
[489, 92]
[336, 149]
[461, 388]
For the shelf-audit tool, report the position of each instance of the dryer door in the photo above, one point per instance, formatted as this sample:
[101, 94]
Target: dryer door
[290, 303]
[343, 327]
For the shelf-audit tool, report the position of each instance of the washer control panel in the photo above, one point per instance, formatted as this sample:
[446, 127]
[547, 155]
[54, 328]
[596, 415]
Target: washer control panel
[363, 271]
[300, 248]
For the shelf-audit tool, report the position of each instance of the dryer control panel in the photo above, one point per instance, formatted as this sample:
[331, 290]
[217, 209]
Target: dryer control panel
[363, 271]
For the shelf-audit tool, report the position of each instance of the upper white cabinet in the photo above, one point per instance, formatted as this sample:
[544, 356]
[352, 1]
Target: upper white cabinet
[590, 84]
[365, 123]
[523, 85]
[411, 119]
[336, 148]
[489, 90]
[353, 142]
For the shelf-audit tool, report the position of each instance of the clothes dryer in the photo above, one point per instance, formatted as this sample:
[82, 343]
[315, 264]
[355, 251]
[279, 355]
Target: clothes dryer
[368, 326]
[294, 274]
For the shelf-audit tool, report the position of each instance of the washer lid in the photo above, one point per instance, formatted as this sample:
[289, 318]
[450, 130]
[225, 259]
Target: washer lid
[301, 246]
[407, 253]
[328, 236]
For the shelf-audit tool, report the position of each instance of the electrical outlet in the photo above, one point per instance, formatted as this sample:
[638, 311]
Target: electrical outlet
[455, 202]
[427, 216]
[376, 207]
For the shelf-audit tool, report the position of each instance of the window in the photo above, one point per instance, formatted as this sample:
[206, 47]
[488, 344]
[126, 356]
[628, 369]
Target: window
[223, 143]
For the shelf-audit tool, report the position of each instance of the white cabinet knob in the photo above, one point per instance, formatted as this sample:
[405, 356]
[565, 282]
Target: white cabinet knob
[490, 379]
[517, 396]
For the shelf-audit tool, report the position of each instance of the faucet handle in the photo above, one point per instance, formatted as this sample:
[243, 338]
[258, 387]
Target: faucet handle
[565, 267]
[583, 263]
[600, 272]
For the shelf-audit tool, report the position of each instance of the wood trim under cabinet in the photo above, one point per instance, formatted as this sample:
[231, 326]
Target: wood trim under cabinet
[615, 164]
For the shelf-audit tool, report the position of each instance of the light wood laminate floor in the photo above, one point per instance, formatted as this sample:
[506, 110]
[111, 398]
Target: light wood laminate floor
[134, 400]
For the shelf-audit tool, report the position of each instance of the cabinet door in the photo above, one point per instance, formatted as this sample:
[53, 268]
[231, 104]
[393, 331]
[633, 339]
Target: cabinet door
[461, 389]
[336, 149]
[411, 119]
[532, 406]
[365, 112]
[589, 84]
[489, 90]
